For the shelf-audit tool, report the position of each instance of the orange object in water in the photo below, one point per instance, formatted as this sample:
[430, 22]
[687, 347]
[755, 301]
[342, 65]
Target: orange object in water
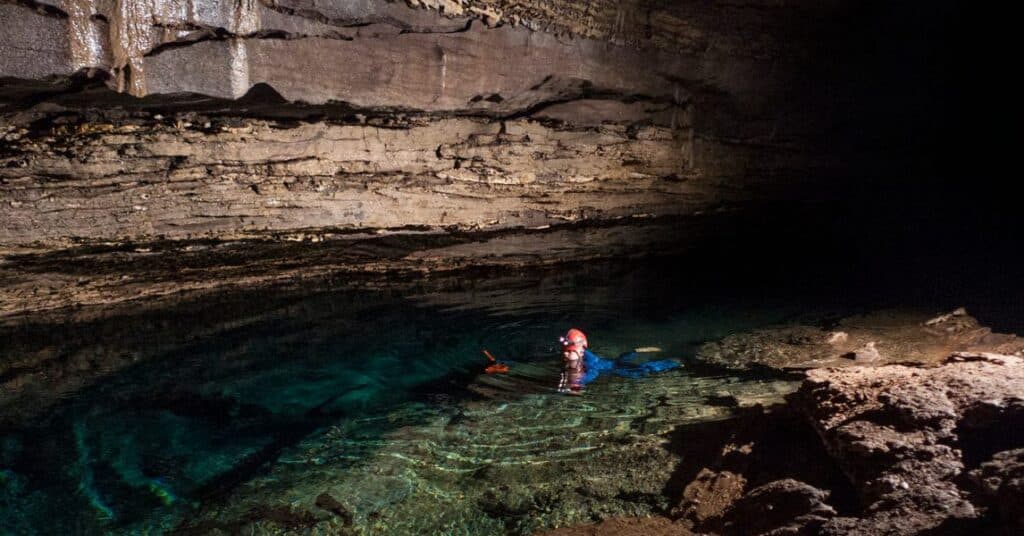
[497, 368]
[494, 367]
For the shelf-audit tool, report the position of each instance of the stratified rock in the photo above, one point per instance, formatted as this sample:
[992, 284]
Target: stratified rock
[152, 181]
[146, 48]
[895, 430]
[137, 124]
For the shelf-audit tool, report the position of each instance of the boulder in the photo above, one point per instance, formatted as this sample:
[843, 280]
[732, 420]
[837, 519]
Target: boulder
[895, 430]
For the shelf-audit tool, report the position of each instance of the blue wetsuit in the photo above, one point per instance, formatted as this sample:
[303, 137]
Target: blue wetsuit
[623, 366]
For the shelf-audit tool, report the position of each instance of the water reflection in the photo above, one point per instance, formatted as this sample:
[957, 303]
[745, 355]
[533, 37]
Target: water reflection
[125, 421]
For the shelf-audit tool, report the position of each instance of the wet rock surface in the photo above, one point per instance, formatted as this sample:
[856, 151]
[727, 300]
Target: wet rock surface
[209, 393]
[901, 434]
[49, 356]
[932, 447]
[869, 339]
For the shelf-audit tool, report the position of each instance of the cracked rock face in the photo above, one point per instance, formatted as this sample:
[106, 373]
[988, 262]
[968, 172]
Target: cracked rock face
[903, 435]
[1000, 484]
[149, 126]
[784, 506]
[190, 181]
[906, 450]
[913, 443]
[147, 47]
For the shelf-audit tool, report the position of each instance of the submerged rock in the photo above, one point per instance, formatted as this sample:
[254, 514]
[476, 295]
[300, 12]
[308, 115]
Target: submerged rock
[504, 464]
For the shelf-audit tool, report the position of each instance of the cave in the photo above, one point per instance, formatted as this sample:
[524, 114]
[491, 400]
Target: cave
[301, 266]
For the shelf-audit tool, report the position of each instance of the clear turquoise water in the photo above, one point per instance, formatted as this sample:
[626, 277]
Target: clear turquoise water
[262, 401]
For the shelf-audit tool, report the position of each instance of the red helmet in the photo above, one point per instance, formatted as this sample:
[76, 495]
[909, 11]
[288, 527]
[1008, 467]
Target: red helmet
[574, 338]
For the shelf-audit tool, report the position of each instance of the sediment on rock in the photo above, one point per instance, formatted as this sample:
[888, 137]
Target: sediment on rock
[869, 339]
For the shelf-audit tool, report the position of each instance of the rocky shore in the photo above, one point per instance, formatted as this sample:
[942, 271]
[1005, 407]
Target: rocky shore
[925, 438]
[901, 426]
[877, 338]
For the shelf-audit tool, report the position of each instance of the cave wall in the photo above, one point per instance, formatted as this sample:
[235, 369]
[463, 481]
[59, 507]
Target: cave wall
[132, 130]
[462, 114]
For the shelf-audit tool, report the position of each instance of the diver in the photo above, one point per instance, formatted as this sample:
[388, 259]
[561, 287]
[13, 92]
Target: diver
[580, 366]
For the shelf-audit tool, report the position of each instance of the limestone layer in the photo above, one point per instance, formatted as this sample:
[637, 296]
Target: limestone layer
[167, 181]
[394, 117]
[133, 124]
